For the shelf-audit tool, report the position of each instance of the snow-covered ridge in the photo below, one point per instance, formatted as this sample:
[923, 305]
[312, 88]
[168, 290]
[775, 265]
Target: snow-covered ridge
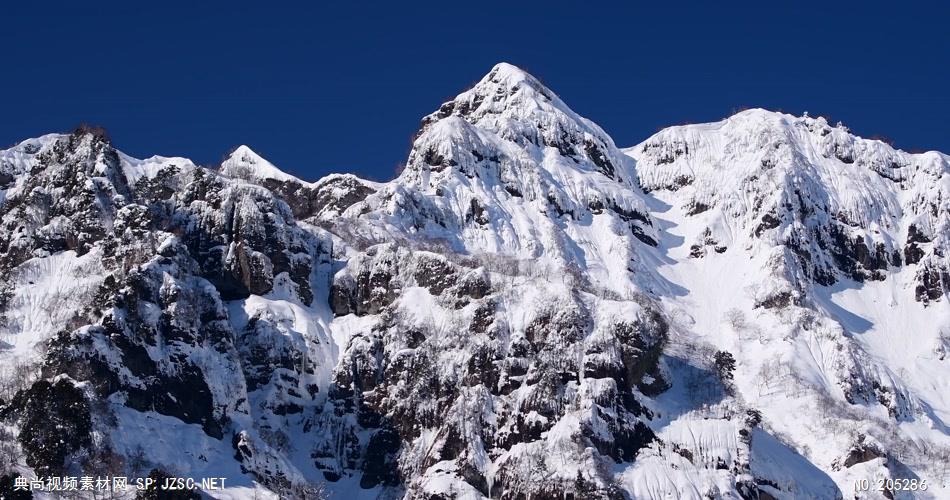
[514, 106]
[507, 168]
[848, 207]
[750, 308]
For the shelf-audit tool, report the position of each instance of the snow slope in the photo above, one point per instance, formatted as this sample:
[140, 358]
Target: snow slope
[832, 355]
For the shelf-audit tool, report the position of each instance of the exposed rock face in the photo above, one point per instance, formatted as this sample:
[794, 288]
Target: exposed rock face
[161, 310]
[243, 237]
[328, 197]
[861, 454]
[506, 386]
[66, 200]
[334, 194]
[155, 335]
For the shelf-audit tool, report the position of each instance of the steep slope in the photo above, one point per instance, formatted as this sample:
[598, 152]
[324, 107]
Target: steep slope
[160, 299]
[845, 207]
[489, 332]
[506, 168]
[832, 250]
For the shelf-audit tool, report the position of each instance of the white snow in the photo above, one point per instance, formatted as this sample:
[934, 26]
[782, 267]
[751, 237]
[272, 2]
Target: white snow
[244, 163]
[47, 292]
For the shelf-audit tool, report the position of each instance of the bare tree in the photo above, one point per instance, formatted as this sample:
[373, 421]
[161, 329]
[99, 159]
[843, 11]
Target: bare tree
[769, 374]
[736, 319]
[10, 452]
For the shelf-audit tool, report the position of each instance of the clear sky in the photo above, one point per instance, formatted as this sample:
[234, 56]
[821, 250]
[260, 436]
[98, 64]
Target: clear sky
[320, 87]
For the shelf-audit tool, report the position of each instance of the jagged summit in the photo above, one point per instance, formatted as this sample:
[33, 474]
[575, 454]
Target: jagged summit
[512, 106]
[505, 88]
[506, 167]
[506, 80]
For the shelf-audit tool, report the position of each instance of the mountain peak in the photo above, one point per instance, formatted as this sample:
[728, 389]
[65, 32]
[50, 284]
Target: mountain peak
[242, 150]
[510, 76]
[504, 168]
[508, 68]
[509, 108]
[243, 163]
[506, 94]
[243, 154]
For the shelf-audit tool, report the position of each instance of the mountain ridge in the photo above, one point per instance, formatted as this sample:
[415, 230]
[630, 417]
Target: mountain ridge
[525, 311]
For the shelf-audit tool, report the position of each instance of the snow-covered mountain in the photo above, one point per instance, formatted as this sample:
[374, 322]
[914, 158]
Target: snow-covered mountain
[753, 308]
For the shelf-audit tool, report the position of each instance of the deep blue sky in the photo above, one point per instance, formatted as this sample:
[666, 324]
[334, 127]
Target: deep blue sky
[341, 86]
